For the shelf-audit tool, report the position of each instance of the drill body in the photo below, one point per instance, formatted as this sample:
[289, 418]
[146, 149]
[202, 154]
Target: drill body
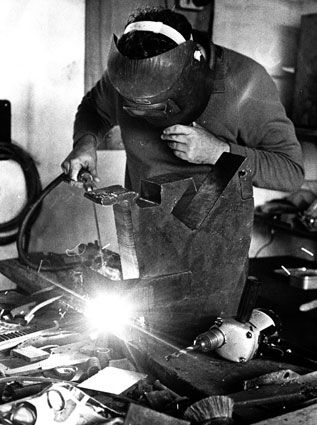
[234, 340]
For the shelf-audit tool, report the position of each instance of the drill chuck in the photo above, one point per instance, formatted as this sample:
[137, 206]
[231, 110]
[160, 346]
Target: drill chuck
[210, 340]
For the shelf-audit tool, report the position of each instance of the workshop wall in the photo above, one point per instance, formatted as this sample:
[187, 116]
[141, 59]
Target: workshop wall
[265, 31]
[42, 74]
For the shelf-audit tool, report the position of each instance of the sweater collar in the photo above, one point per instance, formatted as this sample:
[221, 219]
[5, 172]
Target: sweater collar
[218, 66]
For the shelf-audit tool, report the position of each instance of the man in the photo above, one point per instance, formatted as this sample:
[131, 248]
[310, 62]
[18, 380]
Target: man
[181, 104]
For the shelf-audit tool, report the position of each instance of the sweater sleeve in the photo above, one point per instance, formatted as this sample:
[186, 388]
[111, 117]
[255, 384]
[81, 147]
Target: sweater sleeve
[96, 113]
[266, 136]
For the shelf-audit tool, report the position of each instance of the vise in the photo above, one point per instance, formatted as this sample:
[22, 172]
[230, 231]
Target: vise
[183, 250]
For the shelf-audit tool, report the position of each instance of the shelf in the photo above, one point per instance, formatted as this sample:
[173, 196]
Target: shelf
[275, 223]
[306, 134]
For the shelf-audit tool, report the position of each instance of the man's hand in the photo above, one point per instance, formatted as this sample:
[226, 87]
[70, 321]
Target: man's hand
[194, 144]
[83, 155]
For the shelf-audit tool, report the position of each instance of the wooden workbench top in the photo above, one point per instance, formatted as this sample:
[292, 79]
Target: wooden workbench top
[201, 374]
[195, 376]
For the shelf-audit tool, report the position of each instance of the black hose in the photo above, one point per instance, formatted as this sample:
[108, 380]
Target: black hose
[24, 228]
[11, 151]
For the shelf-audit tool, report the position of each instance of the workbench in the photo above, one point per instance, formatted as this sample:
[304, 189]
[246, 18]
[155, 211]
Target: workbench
[277, 294]
[199, 374]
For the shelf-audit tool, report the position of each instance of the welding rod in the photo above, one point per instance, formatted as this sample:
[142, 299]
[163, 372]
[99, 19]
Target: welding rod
[86, 178]
[65, 289]
[98, 230]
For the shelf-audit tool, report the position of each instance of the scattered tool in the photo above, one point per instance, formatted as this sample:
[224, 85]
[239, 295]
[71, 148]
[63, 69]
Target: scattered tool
[57, 360]
[30, 353]
[231, 339]
[140, 415]
[209, 410]
[164, 399]
[280, 349]
[28, 317]
[14, 335]
[278, 377]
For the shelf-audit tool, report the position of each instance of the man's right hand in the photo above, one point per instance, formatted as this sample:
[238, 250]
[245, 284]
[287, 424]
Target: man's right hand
[84, 155]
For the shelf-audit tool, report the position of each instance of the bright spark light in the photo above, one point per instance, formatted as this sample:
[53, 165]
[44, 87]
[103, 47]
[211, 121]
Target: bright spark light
[109, 313]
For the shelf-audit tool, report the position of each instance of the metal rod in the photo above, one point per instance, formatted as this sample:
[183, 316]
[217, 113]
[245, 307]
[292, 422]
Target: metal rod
[64, 288]
[307, 251]
[98, 232]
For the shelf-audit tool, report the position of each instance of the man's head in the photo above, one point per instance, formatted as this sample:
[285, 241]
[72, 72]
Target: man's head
[144, 44]
[159, 70]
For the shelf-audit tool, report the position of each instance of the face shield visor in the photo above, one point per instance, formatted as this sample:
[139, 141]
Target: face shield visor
[161, 110]
[170, 88]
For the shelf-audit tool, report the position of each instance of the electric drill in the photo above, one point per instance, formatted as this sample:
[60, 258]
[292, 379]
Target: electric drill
[233, 340]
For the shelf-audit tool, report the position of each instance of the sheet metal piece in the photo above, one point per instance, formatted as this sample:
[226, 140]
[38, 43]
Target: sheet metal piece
[176, 228]
[190, 245]
[112, 380]
[110, 195]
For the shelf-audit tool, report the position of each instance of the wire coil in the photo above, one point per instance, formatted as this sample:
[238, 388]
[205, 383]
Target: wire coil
[10, 151]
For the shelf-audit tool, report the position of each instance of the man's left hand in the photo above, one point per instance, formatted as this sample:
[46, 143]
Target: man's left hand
[194, 144]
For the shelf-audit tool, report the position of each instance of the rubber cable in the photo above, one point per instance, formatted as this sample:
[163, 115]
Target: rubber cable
[24, 228]
[10, 151]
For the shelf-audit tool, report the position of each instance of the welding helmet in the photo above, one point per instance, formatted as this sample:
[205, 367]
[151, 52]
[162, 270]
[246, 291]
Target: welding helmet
[170, 88]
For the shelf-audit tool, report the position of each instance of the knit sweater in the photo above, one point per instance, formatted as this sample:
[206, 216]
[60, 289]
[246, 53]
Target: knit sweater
[244, 110]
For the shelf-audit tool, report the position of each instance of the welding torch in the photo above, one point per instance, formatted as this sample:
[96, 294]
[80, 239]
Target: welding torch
[85, 177]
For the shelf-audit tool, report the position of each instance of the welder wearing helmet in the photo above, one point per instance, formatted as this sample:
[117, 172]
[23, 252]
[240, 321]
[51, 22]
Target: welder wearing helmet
[180, 104]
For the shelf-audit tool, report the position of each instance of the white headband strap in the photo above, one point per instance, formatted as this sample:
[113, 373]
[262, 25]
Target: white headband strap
[158, 28]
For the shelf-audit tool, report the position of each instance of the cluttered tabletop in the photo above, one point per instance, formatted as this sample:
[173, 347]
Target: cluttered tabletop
[173, 330]
[55, 362]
